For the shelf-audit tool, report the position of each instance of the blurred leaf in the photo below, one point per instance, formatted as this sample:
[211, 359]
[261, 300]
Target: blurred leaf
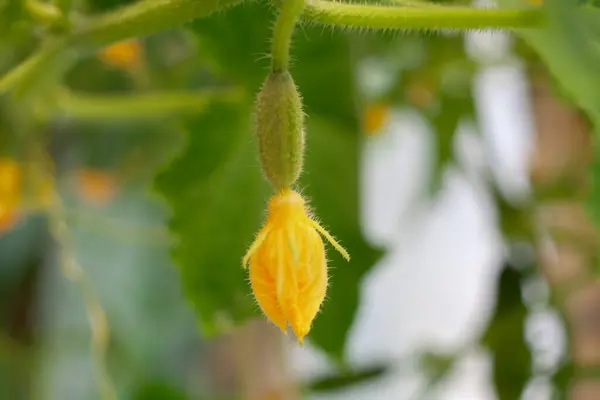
[505, 337]
[569, 46]
[93, 76]
[20, 247]
[157, 390]
[514, 219]
[104, 5]
[16, 364]
[348, 379]
[436, 366]
[441, 89]
[594, 198]
[452, 111]
[17, 38]
[331, 184]
[323, 69]
[563, 378]
[217, 197]
[236, 43]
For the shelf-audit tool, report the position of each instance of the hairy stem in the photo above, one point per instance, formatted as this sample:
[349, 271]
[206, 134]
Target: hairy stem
[282, 36]
[73, 271]
[390, 17]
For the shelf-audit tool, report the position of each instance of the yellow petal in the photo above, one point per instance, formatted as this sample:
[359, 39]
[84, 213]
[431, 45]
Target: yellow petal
[331, 240]
[288, 268]
[10, 190]
[263, 286]
[254, 246]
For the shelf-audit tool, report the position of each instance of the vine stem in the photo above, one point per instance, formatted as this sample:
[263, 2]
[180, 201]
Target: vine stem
[73, 271]
[33, 67]
[143, 18]
[282, 35]
[138, 106]
[47, 13]
[390, 17]
[412, 3]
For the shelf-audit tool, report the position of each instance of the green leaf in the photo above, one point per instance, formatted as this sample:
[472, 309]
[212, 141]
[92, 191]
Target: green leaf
[344, 381]
[568, 43]
[446, 123]
[505, 337]
[452, 72]
[158, 390]
[594, 197]
[323, 70]
[235, 44]
[217, 196]
[104, 5]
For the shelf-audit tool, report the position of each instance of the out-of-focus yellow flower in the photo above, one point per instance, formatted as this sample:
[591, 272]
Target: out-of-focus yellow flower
[10, 192]
[288, 268]
[122, 54]
[95, 186]
[18, 197]
[420, 93]
[8, 219]
[374, 117]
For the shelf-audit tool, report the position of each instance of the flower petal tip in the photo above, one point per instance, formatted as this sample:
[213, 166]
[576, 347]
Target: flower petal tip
[345, 255]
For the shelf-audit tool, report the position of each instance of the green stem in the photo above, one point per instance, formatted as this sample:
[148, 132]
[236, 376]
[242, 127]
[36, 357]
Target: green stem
[412, 3]
[137, 106]
[33, 68]
[143, 18]
[282, 35]
[386, 17]
[44, 12]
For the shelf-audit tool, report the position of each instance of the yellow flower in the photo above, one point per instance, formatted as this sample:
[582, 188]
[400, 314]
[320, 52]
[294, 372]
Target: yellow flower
[95, 186]
[122, 54]
[288, 268]
[22, 190]
[10, 192]
[374, 118]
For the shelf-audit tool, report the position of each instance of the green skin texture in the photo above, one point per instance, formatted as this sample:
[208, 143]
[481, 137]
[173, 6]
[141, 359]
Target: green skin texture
[279, 127]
